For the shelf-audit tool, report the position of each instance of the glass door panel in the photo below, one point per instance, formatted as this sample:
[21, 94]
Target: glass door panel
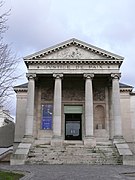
[73, 127]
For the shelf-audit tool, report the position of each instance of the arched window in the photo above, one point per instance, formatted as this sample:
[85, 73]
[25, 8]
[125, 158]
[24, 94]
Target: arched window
[99, 117]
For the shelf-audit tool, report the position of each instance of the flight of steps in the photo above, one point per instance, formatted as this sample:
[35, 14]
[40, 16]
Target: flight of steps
[103, 153]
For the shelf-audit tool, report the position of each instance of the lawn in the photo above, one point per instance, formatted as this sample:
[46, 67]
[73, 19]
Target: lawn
[10, 175]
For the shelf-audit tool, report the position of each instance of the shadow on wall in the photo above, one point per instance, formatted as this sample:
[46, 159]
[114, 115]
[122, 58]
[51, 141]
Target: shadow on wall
[7, 134]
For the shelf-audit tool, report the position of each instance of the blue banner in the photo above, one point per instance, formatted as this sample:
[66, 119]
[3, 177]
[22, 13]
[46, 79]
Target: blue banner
[47, 110]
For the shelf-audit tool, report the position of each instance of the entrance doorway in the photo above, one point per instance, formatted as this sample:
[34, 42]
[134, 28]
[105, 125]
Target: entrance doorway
[73, 126]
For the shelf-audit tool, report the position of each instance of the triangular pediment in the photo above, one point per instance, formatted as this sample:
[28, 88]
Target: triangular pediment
[73, 49]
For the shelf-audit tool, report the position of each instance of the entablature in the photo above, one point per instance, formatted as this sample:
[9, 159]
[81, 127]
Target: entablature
[75, 61]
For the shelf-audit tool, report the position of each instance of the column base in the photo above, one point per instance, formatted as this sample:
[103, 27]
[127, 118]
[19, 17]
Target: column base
[27, 139]
[56, 141]
[118, 139]
[89, 141]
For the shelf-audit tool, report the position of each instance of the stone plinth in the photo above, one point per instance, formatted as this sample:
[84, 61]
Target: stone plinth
[56, 141]
[20, 155]
[90, 141]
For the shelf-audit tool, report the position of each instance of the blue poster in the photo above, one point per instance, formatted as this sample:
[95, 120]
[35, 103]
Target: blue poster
[47, 110]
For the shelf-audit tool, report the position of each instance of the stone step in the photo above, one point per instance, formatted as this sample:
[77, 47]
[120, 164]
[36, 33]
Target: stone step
[70, 153]
[73, 161]
[73, 143]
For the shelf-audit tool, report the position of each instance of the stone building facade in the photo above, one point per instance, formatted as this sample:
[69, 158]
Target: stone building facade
[73, 94]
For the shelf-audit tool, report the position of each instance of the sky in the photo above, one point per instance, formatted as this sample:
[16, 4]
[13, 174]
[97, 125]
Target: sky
[38, 24]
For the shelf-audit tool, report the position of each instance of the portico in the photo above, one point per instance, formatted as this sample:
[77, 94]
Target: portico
[94, 72]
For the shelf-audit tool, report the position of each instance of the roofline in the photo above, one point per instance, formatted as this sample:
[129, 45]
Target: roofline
[73, 40]
[124, 88]
[22, 87]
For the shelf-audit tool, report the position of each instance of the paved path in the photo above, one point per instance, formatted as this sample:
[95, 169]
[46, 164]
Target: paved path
[74, 172]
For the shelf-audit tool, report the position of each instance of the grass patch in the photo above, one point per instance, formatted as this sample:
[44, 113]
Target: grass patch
[10, 175]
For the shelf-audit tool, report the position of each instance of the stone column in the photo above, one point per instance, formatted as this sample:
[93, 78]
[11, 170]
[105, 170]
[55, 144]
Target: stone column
[30, 106]
[57, 139]
[116, 105]
[89, 127]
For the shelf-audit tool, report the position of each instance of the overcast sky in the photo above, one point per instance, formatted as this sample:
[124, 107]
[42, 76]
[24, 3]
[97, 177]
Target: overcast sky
[108, 24]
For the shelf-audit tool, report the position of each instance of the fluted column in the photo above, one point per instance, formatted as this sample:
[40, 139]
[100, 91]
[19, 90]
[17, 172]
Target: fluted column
[30, 105]
[116, 105]
[88, 105]
[57, 105]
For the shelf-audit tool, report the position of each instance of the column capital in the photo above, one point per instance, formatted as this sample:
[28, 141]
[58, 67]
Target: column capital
[57, 76]
[115, 75]
[88, 76]
[31, 75]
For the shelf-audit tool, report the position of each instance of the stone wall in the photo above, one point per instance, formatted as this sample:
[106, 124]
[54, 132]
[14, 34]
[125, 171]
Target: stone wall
[132, 115]
[20, 116]
[125, 115]
[73, 92]
[7, 134]
[128, 118]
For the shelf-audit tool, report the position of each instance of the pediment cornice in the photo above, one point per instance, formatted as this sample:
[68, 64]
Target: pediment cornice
[100, 56]
[75, 61]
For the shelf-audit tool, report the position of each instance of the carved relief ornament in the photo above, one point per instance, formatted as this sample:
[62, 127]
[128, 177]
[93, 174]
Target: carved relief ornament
[99, 94]
[73, 95]
[47, 94]
[71, 53]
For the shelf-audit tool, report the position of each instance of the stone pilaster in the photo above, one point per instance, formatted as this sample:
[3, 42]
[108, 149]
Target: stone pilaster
[89, 124]
[57, 139]
[116, 105]
[30, 105]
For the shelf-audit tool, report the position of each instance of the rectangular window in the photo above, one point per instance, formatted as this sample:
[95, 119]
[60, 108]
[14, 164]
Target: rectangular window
[47, 115]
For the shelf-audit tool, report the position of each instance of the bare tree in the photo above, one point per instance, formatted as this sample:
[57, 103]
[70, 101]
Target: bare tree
[8, 61]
